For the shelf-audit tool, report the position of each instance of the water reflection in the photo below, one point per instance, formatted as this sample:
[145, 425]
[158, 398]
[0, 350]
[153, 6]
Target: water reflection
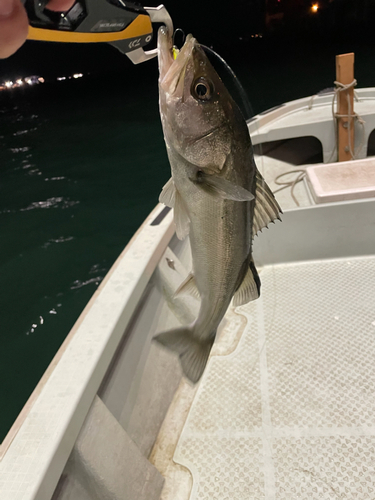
[61, 239]
[34, 171]
[23, 132]
[20, 150]
[35, 325]
[80, 284]
[51, 203]
[41, 321]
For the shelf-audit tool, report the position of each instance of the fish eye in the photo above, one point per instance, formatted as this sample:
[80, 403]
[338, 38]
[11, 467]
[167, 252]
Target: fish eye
[202, 89]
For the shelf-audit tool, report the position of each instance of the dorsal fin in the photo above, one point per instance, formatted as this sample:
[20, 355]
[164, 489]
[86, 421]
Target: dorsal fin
[266, 208]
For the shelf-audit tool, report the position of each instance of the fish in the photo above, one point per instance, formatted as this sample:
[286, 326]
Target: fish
[218, 196]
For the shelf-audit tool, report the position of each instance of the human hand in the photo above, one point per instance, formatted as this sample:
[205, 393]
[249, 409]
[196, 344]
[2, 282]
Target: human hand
[14, 24]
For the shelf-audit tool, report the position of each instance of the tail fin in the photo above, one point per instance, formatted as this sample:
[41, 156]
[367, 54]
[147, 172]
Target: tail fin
[193, 352]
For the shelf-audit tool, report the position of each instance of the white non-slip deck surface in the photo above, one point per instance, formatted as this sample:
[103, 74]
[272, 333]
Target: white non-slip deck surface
[290, 414]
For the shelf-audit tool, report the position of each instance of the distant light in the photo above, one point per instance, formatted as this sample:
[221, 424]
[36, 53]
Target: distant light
[60, 78]
[8, 84]
[315, 7]
[41, 79]
[78, 75]
[28, 81]
[19, 82]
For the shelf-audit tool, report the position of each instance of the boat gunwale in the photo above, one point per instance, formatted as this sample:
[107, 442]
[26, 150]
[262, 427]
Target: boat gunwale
[162, 234]
[267, 117]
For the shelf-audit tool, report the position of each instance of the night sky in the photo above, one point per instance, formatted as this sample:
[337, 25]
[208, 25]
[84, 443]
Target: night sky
[225, 26]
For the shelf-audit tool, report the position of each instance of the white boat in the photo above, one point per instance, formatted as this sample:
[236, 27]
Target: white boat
[286, 406]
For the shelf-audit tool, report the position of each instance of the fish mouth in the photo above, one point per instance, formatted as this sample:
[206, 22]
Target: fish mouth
[172, 70]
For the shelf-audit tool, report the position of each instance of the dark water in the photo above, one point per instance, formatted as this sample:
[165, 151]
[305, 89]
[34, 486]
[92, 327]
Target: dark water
[81, 165]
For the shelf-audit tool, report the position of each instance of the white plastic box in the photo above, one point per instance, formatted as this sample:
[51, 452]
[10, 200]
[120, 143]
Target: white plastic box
[343, 181]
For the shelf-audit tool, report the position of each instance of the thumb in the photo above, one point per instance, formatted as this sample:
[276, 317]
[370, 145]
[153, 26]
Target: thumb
[14, 27]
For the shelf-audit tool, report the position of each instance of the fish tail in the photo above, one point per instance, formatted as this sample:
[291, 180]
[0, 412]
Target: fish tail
[193, 352]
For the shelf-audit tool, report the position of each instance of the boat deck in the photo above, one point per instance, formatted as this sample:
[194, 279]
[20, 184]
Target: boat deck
[290, 413]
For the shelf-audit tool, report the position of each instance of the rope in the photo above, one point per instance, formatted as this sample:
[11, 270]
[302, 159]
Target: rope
[291, 184]
[330, 90]
[340, 87]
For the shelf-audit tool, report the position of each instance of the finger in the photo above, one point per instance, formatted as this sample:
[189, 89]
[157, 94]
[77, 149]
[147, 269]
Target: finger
[14, 27]
[60, 5]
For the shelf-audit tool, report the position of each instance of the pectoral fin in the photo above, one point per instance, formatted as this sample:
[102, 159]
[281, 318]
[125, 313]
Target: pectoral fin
[167, 195]
[221, 188]
[266, 208]
[181, 217]
[250, 287]
[170, 197]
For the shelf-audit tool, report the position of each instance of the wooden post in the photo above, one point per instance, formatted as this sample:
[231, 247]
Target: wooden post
[345, 126]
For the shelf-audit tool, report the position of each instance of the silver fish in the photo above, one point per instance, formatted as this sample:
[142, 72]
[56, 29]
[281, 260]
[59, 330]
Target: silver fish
[218, 196]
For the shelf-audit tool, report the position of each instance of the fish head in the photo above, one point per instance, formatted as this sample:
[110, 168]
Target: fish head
[196, 109]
